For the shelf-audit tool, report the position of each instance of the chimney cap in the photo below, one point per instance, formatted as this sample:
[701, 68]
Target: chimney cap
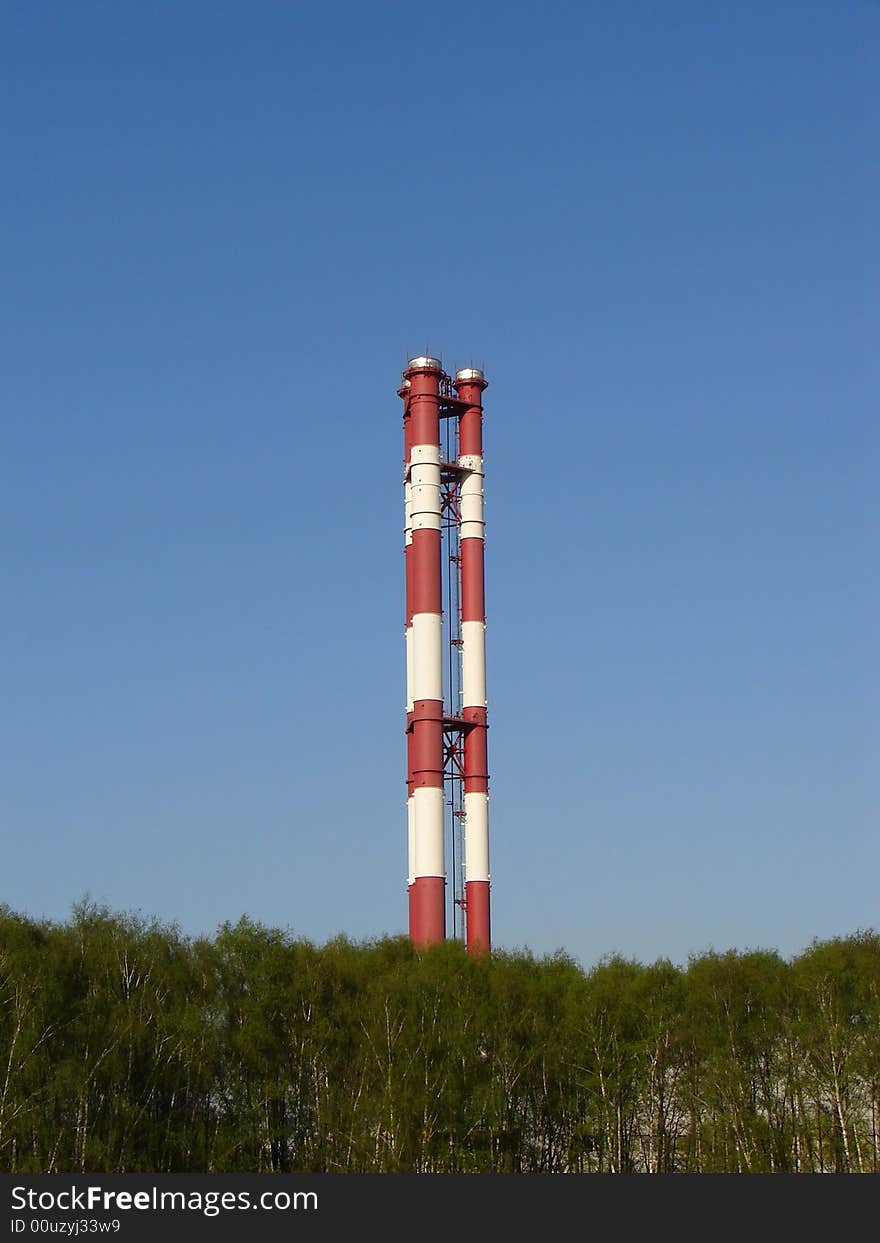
[424, 362]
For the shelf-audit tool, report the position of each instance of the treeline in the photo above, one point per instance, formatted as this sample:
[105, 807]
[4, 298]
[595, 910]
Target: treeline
[125, 1046]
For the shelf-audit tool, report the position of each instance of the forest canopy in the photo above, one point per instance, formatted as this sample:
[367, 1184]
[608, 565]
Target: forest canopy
[126, 1046]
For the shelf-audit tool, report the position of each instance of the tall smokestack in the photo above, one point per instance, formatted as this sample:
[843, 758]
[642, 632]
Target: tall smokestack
[469, 384]
[427, 867]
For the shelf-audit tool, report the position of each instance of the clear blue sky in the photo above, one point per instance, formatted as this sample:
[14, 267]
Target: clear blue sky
[223, 226]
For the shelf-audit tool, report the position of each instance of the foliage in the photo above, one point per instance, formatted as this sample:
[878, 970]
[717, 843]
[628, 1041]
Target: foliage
[126, 1046]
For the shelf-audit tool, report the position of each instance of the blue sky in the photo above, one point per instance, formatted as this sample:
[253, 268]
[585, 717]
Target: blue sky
[224, 226]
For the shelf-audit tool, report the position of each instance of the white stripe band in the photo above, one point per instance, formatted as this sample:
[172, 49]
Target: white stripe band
[411, 839]
[409, 669]
[473, 664]
[427, 656]
[407, 513]
[424, 453]
[424, 504]
[424, 481]
[476, 836]
[428, 857]
[472, 499]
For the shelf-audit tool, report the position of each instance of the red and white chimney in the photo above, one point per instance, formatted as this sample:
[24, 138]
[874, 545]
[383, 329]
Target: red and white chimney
[427, 869]
[469, 385]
